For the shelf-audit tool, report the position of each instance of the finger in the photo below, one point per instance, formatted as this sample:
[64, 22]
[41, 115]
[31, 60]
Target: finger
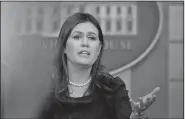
[133, 104]
[151, 101]
[147, 101]
[141, 103]
[142, 106]
[147, 98]
[153, 98]
[155, 91]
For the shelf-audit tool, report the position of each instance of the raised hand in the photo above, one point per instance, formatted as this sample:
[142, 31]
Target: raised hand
[144, 102]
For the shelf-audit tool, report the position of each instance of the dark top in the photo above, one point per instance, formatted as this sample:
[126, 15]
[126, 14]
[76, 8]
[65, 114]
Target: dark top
[109, 100]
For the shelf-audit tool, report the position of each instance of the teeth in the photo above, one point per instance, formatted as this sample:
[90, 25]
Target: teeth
[84, 53]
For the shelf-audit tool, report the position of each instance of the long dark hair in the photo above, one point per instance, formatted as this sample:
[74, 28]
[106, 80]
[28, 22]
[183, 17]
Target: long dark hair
[61, 79]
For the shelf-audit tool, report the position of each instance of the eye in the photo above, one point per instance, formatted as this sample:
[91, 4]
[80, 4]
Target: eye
[77, 37]
[92, 38]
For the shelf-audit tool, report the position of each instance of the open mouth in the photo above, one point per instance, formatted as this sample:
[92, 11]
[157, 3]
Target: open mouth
[84, 53]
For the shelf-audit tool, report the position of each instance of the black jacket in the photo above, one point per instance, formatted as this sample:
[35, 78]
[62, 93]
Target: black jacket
[110, 101]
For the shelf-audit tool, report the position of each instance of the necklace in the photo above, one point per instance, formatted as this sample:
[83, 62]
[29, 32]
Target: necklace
[80, 85]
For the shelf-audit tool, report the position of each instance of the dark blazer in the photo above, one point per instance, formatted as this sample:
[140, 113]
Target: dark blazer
[111, 102]
[114, 90]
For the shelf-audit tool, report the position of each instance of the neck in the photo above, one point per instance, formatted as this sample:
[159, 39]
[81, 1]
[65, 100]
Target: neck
[78, 73]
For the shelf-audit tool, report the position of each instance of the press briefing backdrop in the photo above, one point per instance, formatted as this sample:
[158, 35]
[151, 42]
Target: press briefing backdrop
[136, 48]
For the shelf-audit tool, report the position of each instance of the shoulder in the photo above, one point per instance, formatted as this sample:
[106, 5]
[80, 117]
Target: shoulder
[112, 87]
[116, 95]
[107, 81]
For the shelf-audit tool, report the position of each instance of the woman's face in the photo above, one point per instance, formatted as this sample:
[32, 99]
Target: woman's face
[83, 45]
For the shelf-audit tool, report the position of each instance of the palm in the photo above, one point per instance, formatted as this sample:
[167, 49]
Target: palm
[145, 101]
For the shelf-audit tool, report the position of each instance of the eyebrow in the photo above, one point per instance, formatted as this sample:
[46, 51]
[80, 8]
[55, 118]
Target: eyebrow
[77, 32]
[91, 33]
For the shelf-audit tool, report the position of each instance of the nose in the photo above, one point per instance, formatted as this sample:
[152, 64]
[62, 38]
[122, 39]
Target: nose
[84, 42]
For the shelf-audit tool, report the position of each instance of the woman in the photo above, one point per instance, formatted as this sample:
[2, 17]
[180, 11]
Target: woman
[83, 88]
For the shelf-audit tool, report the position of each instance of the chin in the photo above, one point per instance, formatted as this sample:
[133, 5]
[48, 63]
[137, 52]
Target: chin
[85, 63]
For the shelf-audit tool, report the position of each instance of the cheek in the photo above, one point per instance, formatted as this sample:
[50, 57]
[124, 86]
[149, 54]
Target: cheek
[97, 49]
[70, 49]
